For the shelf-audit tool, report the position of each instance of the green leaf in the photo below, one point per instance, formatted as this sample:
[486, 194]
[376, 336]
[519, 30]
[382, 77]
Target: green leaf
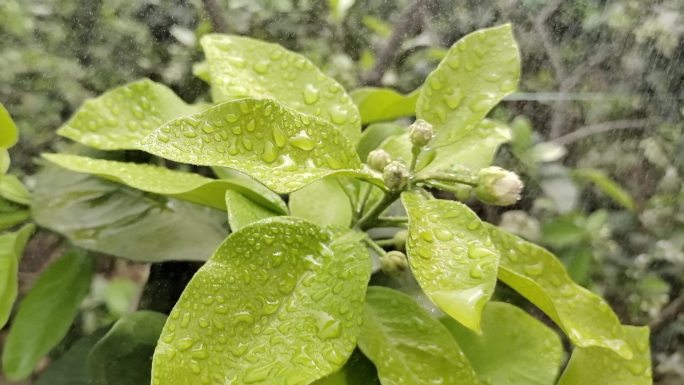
[5, 161]
[13, 190]
[477, 72]
[160, 180]
[323, 202]
[514, 348]
[113, 219]
[123, 355]
[594, 365]
[374, 135]
[607, 185]
[11, 219]
[358, 370]
[451, 256]
[252, 189]
[120, 118]
[9, 134]
[46, 313]
[281, 148]
[69, 368]
[278, 300]
[541, 278]
[243, 211]
[407, 345]
[11, 249]
[383, 104]
[241, 67]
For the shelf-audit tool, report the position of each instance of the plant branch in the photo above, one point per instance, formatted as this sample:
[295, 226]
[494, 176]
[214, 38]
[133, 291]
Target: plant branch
[375, 246]
[668, 313]
[409, 23]
[215, 13]
[371, 217]
[600, 128]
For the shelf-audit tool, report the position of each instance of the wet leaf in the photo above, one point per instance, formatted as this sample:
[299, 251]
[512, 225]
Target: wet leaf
[160, 180]
[241, 67]
[451, 256]
[477, 72]
[383, 104]
[323, 202]
[374, 135]
[595, 365]
[120, 118]
[123, 356]
[278, 300]
[243, 211]
[13, 190]
[407, 345]
[9, 134]
[357, 371]
[279, 147]
[11, 249]
[514, 348]
[110, 218]
[541, 278]
[607, 185]
[46, 313]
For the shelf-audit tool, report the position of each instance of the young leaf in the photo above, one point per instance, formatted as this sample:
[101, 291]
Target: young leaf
[514, 348]
[241, 67]
[110, 218]
[278, 300]
[11, 249]
[13, 190]
[595, 365]
[383, 104]
[46, 314]
[243, 211]
[607, 185]
[281, 148]
[374, 135]
[541, 278]
[358, 370]
[323, 202]
[118, 119]
[123, 356]
[9, 134]
[477, 72]
[451, 256]
[407, 345]
[159, 180]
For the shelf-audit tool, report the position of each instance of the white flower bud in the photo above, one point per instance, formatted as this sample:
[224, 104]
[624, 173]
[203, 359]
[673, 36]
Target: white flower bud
[394, 262]
[420, 133]
[395, 175]
[496, 186]
[378, 159]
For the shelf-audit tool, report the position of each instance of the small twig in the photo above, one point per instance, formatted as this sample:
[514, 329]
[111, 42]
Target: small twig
[410, 21]
[375, 246]
[369, 219]
[364, 200]
[215, 13]
[668, 313]
[600, 128]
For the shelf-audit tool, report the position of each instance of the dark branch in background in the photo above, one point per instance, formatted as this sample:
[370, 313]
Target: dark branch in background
[669, 312]
[410, 22]
[600, 128]
[215, 13]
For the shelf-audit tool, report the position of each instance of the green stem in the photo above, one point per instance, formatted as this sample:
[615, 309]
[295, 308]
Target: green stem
[375, 246]
[439, 177]
[371, 216]
[364, 200]
[393, 219]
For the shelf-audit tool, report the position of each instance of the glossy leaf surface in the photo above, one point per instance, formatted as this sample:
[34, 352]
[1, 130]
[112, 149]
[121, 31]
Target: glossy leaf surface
[120, 118]
[514, 348]
[407, 345]
[594, 365]
[281, 148]
[477, 72]
[383, 104]
[607, 185]
[123, 356]
[323, 202]
[46, 313]
[541, 278]
[278, 300]
[160, 180]
[243, 211]
[11, 249]
[451, 256]
[110, 218]
[241, 67]
[9, 134]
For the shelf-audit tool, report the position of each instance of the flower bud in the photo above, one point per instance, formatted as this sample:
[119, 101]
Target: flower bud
[394, 262]
[496, 186]
[420, 133]
[395, 175]
[399, 239]
[378, 159]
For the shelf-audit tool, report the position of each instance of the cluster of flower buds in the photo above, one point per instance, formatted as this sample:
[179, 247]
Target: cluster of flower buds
[499, 187]
[394, 262]
[394, 173]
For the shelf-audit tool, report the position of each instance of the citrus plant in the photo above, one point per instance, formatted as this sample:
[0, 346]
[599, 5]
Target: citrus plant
[285, 298]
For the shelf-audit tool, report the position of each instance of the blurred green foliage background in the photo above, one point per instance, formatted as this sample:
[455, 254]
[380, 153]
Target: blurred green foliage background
[597, 123]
